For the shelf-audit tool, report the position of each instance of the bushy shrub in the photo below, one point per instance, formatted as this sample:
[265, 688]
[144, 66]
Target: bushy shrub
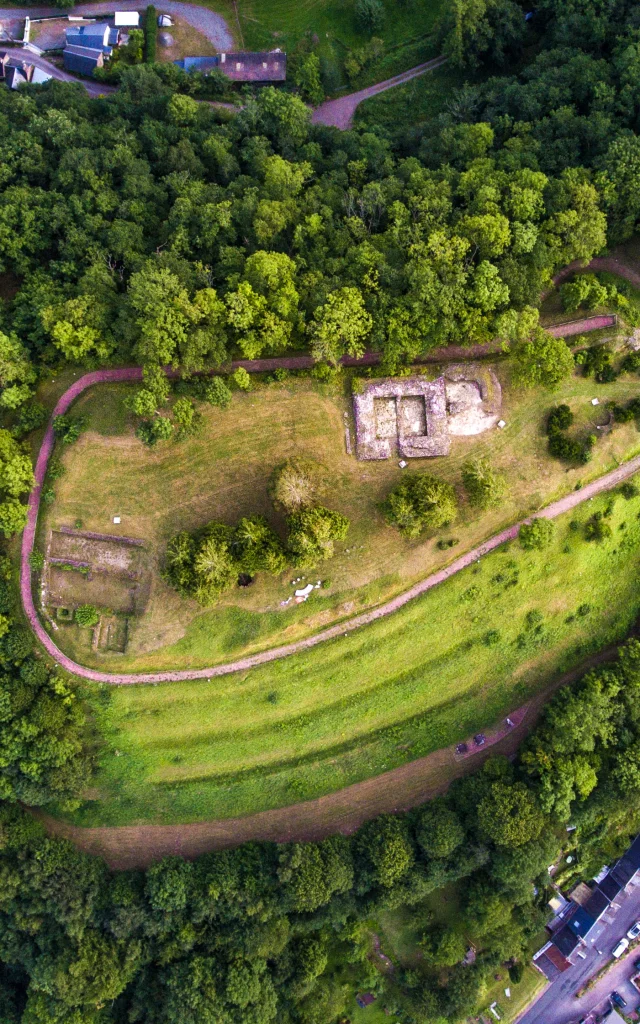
[483, 485]
[87, 615]
[586, 291]
[241, 379]
[68, 428]
[597, 361]
[629, 490]
[160, 428]
[420, 502]
[560, 418]
[216, 392]
[597, 528]
[369, 15]
[30, 416]
[536, 535]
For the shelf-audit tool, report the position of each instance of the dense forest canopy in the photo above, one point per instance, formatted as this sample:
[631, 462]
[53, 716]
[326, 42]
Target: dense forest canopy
[147, 227]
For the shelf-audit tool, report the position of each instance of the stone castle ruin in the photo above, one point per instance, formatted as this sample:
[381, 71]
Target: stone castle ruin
[416, 417]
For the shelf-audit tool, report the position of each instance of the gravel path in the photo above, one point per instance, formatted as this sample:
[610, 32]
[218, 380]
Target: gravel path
[339, 113]
[571, 500]
[210, 24]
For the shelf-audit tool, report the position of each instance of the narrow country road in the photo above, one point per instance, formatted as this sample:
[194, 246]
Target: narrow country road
[339, 113]
[570, 501]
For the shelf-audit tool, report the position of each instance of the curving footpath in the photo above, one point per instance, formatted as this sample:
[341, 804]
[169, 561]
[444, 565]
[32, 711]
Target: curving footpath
[557, 508]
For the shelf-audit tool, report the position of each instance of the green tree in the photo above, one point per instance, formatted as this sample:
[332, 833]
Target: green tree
[420, 502]
[241, 379]
[386, 849]
[536, 535]
[444, 947]
[256, 547]
[340, 327]
[295, 483]
[509, 815]
[312, 534]
[214, 566]
[485, 488]
[439, 830]
[543, 360]
[217, 393]
[307, 78]
[186, 417]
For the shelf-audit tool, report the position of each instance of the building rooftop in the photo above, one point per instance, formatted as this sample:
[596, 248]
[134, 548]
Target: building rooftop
[267, 66]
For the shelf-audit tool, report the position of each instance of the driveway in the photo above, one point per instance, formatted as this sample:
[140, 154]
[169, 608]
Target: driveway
[339, 113]
[210, 24]
[558, 1004]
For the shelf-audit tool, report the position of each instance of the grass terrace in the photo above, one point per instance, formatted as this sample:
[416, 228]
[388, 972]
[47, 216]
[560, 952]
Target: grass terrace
[444, 666]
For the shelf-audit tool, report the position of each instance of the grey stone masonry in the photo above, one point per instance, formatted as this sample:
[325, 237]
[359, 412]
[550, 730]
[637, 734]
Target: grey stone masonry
[407, 415]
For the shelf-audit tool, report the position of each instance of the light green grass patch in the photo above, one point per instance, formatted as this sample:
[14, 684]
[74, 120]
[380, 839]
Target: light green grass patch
[350, 709]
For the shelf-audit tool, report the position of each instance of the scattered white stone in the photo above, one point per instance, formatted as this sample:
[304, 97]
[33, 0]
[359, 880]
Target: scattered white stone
[507, 993]
[402, 464]
[502, 424]
[595, 401]
[116, 520]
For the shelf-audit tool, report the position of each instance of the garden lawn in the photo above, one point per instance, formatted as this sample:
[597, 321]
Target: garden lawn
[223, 474]
[408, 31]
[446, 665]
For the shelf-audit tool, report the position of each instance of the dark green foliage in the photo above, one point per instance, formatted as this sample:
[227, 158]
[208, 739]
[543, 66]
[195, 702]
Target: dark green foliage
[561, 446]
[559, 418]
[420, 502]
[629, 490]
[369, 15]
[150, 34]
[68, 428]
[536, 535]
[597, 361]
[160, 428]
[30, 416]
[597, 528]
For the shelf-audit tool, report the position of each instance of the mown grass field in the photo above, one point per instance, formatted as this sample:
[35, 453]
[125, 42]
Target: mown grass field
[223, 474]
[446, 665]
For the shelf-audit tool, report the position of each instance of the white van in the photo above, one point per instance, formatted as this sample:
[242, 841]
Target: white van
[621, 948]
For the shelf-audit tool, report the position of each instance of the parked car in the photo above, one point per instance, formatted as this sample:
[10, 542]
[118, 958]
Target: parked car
[634, 931]
[636, 964]
[621, 948]
[618, 999]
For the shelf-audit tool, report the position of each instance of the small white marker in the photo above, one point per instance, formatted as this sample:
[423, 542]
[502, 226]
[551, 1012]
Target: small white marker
[116, 520]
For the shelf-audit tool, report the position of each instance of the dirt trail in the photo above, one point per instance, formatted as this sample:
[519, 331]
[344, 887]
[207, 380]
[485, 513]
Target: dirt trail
[339, 113]
[136, 846]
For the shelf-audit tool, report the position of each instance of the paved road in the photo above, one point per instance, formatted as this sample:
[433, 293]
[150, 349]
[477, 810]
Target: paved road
[339, 113]
[558, 1005]
[570, 501]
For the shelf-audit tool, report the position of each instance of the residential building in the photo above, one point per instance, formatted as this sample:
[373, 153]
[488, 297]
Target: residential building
[82, 60]
[15, 72]
[586, 906]
[98, 36]
[269, 66]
